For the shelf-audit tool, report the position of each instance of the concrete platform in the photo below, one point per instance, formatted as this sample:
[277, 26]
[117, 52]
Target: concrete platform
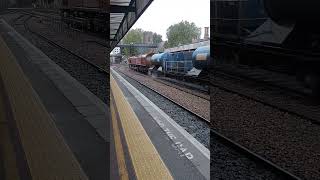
[66, 123]
[183, 156]
[81, 118]
[8, 158]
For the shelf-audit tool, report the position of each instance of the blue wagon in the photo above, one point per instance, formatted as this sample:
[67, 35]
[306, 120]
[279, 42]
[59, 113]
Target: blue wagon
[201, 58]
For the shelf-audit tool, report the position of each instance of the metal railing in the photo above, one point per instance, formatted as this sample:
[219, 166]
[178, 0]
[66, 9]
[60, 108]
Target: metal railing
[177, 66]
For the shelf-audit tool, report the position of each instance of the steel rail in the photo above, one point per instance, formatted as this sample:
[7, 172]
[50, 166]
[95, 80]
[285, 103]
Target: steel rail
[225, 140]
[170, 99]
[201, 94]
[264, 102]
[253, 156]
[224, 72]
[63, 48]
[180, 86]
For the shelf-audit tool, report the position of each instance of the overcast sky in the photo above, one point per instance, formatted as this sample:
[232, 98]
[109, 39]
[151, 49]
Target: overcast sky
[163, 13]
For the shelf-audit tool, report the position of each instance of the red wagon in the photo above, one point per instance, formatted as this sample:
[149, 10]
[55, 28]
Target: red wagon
[140, 63]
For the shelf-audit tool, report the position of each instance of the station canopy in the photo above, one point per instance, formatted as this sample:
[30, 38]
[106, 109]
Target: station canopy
[123, 14]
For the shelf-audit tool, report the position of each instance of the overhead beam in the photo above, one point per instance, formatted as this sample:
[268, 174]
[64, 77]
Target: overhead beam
[121, 9]
[130, 18]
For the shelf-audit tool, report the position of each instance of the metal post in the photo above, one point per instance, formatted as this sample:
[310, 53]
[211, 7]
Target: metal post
[215, 16]
[87, 49]
[239, 18]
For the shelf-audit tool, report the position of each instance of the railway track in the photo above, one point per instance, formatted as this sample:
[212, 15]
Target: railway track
[180, 86]
[184, 82]
[7, 12]
[14, 21]
[297, 105]
[86, 72]
[31, 14]
[56, 18]
[168, 98]
[199, 93]
[63, 48]
[264, 77]
[201, 81]
[253, 156]
[226, 141]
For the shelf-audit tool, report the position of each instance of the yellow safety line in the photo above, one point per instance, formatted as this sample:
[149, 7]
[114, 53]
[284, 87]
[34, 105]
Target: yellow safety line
[47, 154]
[146, 161]
[118, 145]
[8, 155]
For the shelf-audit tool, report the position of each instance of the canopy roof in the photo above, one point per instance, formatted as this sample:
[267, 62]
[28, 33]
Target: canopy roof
[123, 14]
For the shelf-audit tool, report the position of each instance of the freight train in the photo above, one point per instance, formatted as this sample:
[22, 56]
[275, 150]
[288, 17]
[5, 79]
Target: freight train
[89, 15]
[140, 63]
[188, 63]
[277, 34]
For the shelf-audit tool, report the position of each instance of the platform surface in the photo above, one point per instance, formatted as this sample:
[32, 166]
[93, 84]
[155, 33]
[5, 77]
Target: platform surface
[183, 156]
[144, 142]
[81, 118]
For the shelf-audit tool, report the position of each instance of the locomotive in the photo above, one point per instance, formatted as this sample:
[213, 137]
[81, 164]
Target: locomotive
[188, 63]
[282, 35]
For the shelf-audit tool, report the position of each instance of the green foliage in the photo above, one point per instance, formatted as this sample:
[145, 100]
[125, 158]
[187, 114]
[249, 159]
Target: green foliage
[166, 45]
[157, 38]
[182, 33]
[133, 36]
[136, 36]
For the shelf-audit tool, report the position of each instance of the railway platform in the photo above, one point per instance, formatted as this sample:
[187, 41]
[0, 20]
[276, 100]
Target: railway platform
[152, 138]
[53, 127]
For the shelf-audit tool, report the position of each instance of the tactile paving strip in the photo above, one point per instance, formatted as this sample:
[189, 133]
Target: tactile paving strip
[145, 158]
[47, 154]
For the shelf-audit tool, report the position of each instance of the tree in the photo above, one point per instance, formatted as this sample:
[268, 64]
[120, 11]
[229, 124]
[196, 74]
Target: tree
[166, 45]
[157, 38]
[182, 33]
[136, 36]
[132, 37]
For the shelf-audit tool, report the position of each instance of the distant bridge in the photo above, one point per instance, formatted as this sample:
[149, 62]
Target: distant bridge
[137, 45]
[142, 48]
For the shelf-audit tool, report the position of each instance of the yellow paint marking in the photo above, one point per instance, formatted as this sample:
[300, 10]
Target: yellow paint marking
[7, 149]
[8, 155]
[118, 145]
[146, 161]
[47, 154]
